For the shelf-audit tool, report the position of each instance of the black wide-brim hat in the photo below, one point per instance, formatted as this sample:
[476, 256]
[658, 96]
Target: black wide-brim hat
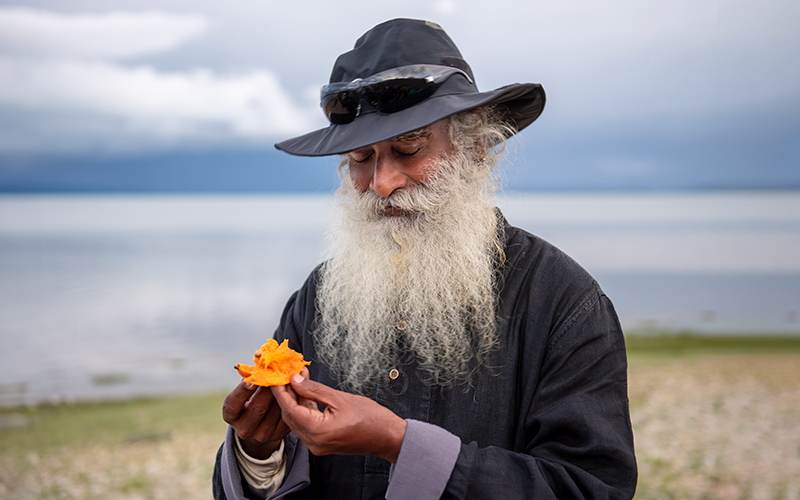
[404, 42]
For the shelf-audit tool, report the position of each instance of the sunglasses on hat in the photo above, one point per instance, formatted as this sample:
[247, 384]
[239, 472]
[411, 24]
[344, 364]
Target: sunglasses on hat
[388, 91]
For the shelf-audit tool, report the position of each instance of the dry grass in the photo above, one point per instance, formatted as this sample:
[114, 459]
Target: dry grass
[711, 426]
[718, 427]
[141, 449]
[178, 466]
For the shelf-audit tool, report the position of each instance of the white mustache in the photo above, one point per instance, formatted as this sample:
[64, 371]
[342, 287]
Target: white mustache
[417, 199]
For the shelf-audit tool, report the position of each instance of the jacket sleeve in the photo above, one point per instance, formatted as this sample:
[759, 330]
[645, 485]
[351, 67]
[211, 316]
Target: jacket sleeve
[579, 437]
[425, 462]
[227, 481]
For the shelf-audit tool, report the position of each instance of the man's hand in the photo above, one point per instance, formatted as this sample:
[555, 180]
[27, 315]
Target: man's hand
[350, 424]
[256, 417]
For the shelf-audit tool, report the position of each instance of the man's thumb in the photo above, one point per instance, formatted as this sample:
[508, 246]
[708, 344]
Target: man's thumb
[309, 389]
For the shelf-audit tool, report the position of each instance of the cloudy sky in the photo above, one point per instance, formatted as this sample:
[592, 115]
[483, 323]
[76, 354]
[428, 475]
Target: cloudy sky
[678, 94]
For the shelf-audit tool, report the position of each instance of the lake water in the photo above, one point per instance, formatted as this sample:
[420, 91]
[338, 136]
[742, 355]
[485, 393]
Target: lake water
[109, 297]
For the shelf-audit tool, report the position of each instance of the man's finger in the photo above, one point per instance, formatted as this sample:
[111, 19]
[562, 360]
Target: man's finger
[259, 402]
[303, 401]
[284, 395]
[307, 389]
[262, 414]
[235, 402]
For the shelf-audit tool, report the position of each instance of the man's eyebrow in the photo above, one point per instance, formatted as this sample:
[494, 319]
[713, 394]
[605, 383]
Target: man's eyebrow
[416, 134]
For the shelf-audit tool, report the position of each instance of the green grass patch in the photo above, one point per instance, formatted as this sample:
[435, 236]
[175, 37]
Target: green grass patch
[694, 343]
[40, 428]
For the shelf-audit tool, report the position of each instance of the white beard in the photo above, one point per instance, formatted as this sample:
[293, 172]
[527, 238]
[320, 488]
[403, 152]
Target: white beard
[420, 285]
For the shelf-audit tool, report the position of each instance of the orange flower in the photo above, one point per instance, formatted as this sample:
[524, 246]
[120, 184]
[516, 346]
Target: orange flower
[274, 365]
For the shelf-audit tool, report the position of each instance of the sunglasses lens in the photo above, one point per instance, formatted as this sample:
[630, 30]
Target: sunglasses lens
[342, 108]
[397, 95]
[388, 92]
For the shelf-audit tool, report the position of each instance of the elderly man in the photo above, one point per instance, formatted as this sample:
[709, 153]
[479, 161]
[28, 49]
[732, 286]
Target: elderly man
[453, 355]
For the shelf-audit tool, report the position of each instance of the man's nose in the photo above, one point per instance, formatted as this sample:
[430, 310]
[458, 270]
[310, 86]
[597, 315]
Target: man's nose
[387, 177]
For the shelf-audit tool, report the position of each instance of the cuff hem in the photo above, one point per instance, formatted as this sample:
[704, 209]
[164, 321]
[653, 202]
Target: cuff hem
[426, 460]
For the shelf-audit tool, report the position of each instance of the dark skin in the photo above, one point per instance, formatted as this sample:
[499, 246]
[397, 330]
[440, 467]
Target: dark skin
[256, 417]
[350, 424]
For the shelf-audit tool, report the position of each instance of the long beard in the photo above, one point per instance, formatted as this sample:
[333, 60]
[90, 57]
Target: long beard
[421, 285]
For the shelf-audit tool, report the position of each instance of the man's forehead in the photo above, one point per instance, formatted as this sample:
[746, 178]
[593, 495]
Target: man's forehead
[414, 135]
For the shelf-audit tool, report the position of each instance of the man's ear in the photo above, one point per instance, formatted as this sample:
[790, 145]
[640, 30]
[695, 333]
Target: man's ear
[477, 151]
[479, 155]
[344, 164]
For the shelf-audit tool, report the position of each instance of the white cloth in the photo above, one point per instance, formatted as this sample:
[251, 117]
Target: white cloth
[265, 476]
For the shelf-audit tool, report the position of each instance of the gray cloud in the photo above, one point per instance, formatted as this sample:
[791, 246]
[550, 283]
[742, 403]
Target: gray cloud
[45, 34]
[57, 64]
[647, 83]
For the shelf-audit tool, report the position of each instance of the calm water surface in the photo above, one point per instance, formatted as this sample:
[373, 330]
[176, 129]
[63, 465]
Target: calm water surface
[119, 296]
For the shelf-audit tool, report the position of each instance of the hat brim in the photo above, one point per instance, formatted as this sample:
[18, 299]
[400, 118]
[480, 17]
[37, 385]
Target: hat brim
[521, 103]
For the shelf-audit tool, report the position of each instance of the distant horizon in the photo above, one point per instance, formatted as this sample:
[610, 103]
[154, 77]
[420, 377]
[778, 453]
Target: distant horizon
[265, 170]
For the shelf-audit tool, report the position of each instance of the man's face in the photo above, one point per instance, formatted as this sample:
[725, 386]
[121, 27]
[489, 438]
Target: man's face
[402, 162]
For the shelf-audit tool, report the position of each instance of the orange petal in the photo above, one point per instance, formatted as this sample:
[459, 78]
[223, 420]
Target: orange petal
[274, 364]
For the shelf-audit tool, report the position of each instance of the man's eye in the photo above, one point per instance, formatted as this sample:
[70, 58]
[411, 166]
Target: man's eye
[408, 152]
[360, 158]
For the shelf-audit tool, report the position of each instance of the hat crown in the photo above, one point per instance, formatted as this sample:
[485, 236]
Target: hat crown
[396, 43]
[408, 42]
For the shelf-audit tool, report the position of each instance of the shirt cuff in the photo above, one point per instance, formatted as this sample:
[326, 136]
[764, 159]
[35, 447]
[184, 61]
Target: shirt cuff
[264, 476]
[426, 460]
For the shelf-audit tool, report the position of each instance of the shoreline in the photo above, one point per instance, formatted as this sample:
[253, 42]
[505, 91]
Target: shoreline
[641, 343]
[708, 423]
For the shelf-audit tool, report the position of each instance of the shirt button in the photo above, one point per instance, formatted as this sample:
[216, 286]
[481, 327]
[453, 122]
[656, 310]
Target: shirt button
[401, 325]
[394, 373]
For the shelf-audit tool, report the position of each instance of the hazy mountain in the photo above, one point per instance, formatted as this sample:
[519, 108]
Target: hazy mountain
[590, 167]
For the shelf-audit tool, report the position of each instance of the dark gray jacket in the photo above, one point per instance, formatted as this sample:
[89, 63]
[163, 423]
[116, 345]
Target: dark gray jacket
[547, 420]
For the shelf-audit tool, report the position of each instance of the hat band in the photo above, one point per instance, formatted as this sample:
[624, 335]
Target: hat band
[388, 91]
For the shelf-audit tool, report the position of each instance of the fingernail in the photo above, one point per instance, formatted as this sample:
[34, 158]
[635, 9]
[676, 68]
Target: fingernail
[297, 379]
[249, 387]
